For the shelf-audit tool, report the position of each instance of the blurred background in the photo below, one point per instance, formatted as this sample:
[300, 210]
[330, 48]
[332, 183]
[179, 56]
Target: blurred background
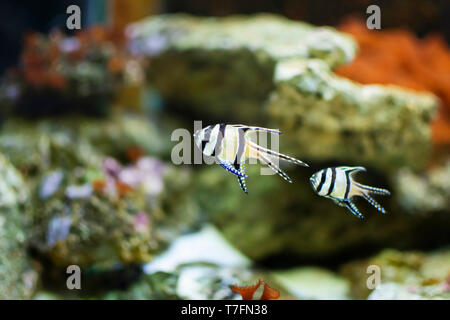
[86, 118]
[420, 17]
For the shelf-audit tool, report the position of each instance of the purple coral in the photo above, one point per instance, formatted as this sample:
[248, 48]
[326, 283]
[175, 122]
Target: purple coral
[147, 172]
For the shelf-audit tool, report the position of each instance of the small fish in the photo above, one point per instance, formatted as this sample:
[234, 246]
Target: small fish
[337, 184]
[259, 291]
[231, 145]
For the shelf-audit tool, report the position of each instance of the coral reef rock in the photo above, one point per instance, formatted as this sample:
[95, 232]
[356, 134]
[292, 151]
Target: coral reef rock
[268, 70]
[404, 275]
[96, 197]
[200, 265]
[223, 67]
[382, 126]
[157, 286]
[17, 279]
[395, 291]
[111, 214]
[313, 283]
[294, 223]
[36, 146]
[424, 192]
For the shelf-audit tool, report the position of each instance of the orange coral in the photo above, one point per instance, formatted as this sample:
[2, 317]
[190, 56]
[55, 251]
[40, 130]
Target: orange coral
[134, 153]
[123, 188]
[248, 292]
[99, 185]
[115, 64]
[398, 57]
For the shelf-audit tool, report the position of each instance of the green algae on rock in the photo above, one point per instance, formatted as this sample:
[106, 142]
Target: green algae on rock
[89, 216]
[223, 67]
[385, 127]
[313, 283]
[157, 286]
[192, 282]
[17, 279]
[274, 35]
[199, 265]
[292, 221]
[395, 291]
[37, 146]
[268, 70]
[63, 161]
[425, 192]
[413, 273]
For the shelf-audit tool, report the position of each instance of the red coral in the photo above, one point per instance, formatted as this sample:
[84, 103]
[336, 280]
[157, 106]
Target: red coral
[248, 292]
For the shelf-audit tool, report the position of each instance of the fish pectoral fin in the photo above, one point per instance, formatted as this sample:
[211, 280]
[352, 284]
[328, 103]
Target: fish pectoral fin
[373, 202]
[353, 209]
[230, 168]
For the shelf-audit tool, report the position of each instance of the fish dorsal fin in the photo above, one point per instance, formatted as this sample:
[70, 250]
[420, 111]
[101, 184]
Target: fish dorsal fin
[352, 170]
[254, 129]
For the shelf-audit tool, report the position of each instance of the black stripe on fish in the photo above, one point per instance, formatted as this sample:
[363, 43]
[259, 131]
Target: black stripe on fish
[333, 181]
[322, 180]
[204, 142]
[347, 186]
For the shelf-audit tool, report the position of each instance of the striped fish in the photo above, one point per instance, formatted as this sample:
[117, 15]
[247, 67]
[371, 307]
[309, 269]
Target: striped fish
[337, 184]
[231, 145]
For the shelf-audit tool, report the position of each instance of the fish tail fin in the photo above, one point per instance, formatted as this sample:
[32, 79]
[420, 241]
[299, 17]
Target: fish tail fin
[272, 153]
[274, 167]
